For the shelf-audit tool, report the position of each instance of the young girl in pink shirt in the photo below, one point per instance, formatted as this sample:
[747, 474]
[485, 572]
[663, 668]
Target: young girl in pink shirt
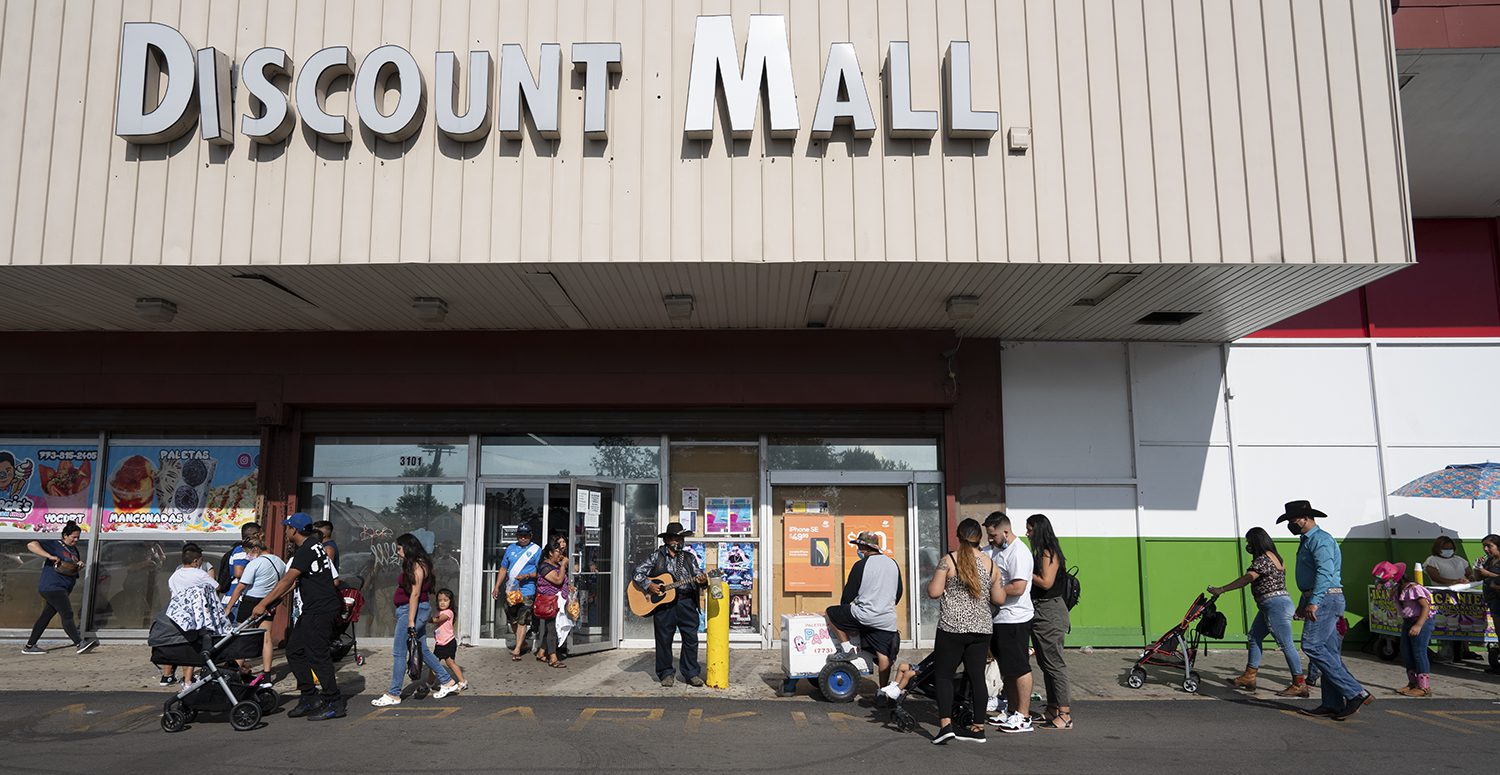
[446, 648]
[1414, 603]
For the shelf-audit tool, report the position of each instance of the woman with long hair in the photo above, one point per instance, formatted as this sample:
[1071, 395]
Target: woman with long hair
[1050, 623]
[965, 584]
[413, 589]
[1267, 581]
[551, 579]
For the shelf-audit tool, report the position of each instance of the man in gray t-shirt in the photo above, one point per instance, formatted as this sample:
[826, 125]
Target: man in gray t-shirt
[868, 606]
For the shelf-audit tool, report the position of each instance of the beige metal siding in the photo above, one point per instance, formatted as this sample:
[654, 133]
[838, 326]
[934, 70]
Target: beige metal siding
[1176, 131]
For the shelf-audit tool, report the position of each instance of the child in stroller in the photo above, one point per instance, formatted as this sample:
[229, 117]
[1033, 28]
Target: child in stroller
[345, 639]
[921, 679]
[218, 686]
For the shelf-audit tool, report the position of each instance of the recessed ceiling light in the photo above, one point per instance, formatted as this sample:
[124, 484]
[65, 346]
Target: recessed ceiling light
[679, 306]
[430, 309]
[156, 310]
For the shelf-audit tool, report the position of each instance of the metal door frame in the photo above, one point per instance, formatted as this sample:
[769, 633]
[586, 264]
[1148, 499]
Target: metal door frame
[614, 522]
[479, 586]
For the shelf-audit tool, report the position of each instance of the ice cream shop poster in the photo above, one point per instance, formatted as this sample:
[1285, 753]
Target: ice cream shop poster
[43, 487]
[193, 487]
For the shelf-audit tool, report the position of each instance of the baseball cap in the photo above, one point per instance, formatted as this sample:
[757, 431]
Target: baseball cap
[299, 522]
[523, 529]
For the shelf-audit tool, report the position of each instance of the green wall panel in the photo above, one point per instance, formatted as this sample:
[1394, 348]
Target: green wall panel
[1135, 589]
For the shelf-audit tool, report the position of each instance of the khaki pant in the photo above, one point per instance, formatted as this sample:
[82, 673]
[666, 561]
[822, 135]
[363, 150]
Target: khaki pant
[1048, 629]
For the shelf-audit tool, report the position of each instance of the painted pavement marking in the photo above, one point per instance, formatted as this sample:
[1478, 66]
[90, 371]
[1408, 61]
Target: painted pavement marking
[1414, 717]
[604, 714]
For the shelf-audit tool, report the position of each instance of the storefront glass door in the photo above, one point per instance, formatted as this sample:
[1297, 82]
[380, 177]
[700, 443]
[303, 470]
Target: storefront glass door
[597, 580]
[506, 506]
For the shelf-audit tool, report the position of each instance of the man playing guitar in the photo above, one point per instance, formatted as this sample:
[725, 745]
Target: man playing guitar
[680, 615]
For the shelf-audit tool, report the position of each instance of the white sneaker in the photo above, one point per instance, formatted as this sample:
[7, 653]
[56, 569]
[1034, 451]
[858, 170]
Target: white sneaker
[445, 690]
[385, 700]
[860, 664]
[463, 686]
[1015, 723]
[891, 690]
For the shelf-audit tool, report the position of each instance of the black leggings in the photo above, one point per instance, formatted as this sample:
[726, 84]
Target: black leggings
[951, 648]
[54, 603]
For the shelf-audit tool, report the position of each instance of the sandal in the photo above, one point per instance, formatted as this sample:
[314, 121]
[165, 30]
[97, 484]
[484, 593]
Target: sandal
[515, 657]
[557, 664]
[1066, 720]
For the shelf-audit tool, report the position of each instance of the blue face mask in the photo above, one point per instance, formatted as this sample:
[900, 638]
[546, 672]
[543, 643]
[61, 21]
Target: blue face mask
[1446, 553]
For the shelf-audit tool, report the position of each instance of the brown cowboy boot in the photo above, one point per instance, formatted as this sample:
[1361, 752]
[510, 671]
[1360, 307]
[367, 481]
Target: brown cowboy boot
[1245, 680]
[1297, 689]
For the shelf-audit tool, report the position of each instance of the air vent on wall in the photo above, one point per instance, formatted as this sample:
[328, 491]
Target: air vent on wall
[1163, 318]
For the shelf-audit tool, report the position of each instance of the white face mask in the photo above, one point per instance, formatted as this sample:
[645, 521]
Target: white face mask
[1446, 553]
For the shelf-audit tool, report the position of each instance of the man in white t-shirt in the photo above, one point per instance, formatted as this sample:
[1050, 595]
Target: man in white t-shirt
[1012, 633]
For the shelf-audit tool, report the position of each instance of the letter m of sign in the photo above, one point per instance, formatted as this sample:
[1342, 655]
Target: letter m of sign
[716, 61]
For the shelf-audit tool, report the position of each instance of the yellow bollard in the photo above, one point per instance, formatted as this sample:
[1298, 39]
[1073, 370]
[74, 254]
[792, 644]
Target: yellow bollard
[718, 636]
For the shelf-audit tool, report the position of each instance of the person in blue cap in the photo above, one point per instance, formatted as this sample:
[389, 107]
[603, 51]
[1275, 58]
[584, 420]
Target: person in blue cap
[518, 574]
[311, 637]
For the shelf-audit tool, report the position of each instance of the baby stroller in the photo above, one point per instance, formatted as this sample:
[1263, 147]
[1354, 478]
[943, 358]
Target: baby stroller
[1178, 648]
[345, 639]
[924, 682]
[218, 686]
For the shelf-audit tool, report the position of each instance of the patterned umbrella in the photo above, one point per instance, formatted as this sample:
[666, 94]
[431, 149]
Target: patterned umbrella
[1470, 481]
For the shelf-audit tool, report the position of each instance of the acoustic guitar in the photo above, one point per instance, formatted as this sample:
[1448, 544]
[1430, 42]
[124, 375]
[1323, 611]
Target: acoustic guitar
[643, 603]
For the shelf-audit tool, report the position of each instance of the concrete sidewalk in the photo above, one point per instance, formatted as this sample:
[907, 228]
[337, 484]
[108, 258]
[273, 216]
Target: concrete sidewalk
[1096, 674]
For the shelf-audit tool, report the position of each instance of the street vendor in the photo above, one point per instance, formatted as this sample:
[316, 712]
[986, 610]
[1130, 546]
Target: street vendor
[1445, 566]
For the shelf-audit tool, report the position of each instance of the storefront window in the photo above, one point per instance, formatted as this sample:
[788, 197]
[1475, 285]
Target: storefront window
[813, 556]
[611, 457]
[818, 454]
[20, 572]
[182, 490]
[715, 492]
[380, 456]
[130, 580]
[929, 552]
[368, 518]
[641, 527]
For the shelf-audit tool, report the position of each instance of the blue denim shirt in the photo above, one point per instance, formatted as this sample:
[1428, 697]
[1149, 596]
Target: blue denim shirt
[1319, 565]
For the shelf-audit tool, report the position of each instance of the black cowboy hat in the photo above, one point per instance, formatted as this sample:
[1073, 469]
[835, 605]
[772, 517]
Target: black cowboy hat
[1296, 509]
[674, 530]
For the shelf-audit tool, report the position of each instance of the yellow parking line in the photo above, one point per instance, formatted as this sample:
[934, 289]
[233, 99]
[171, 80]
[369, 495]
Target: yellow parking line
[397, 713]
[1414, 717]
[1458, 715]
[523, 711]
[799, 718]
[589, 714]
[696, 718]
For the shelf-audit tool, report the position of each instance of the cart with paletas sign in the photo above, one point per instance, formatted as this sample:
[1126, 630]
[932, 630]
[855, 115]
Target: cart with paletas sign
[1461, 614]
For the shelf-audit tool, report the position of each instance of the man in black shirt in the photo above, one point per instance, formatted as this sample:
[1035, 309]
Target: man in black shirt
[679, 616]
[308, 644]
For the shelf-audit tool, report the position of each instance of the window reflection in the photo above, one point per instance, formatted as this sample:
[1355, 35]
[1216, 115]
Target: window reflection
[613, 457]
[130, 583]
[367, 519]
[20, 571]
[817, 454]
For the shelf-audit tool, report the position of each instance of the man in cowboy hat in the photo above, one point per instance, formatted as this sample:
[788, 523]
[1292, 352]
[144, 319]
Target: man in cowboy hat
[1319, 571]
[868, 606]
[680, 615]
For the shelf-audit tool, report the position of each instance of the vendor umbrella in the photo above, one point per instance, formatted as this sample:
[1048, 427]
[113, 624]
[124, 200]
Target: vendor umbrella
[1469, 481]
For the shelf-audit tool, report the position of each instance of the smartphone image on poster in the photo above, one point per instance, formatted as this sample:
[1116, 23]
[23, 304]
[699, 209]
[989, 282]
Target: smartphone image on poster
[820, 553]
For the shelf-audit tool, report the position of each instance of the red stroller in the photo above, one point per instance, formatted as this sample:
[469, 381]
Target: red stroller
[1178, 648]
[354, 602]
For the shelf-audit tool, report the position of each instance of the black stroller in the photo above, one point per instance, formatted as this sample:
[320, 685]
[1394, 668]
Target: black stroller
[217, 685]
[345, 639]
[1178, 648]
[925, 684]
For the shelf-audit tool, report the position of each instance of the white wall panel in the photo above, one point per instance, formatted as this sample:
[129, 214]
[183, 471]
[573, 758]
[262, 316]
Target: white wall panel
[1343, 482]
[1134, 107]
[1178, 393]
[1301, 395]
[1438, 395]
[1427, 517]
[1066, 410]
[1096, 512]
[1186, 492]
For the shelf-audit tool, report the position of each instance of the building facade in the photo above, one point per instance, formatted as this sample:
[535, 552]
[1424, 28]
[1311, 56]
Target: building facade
[784, 271]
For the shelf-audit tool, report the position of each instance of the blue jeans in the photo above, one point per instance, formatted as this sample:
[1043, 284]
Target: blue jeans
[1275, 619]
[1321, 643]
[398, 656]
[1414, 648]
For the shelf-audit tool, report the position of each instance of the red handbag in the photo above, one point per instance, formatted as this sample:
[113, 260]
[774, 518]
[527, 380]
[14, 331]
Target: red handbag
[546, 606]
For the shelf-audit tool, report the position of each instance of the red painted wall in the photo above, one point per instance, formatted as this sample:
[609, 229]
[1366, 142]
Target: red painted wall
[1448, 24]
[1452, 291]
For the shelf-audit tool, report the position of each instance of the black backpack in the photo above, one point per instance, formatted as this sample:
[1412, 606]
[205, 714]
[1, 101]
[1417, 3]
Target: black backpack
[1072, 589]
[226, 572]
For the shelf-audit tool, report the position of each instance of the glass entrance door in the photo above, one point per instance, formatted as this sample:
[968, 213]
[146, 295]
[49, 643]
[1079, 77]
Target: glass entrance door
[598, 582]
[506, 507]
